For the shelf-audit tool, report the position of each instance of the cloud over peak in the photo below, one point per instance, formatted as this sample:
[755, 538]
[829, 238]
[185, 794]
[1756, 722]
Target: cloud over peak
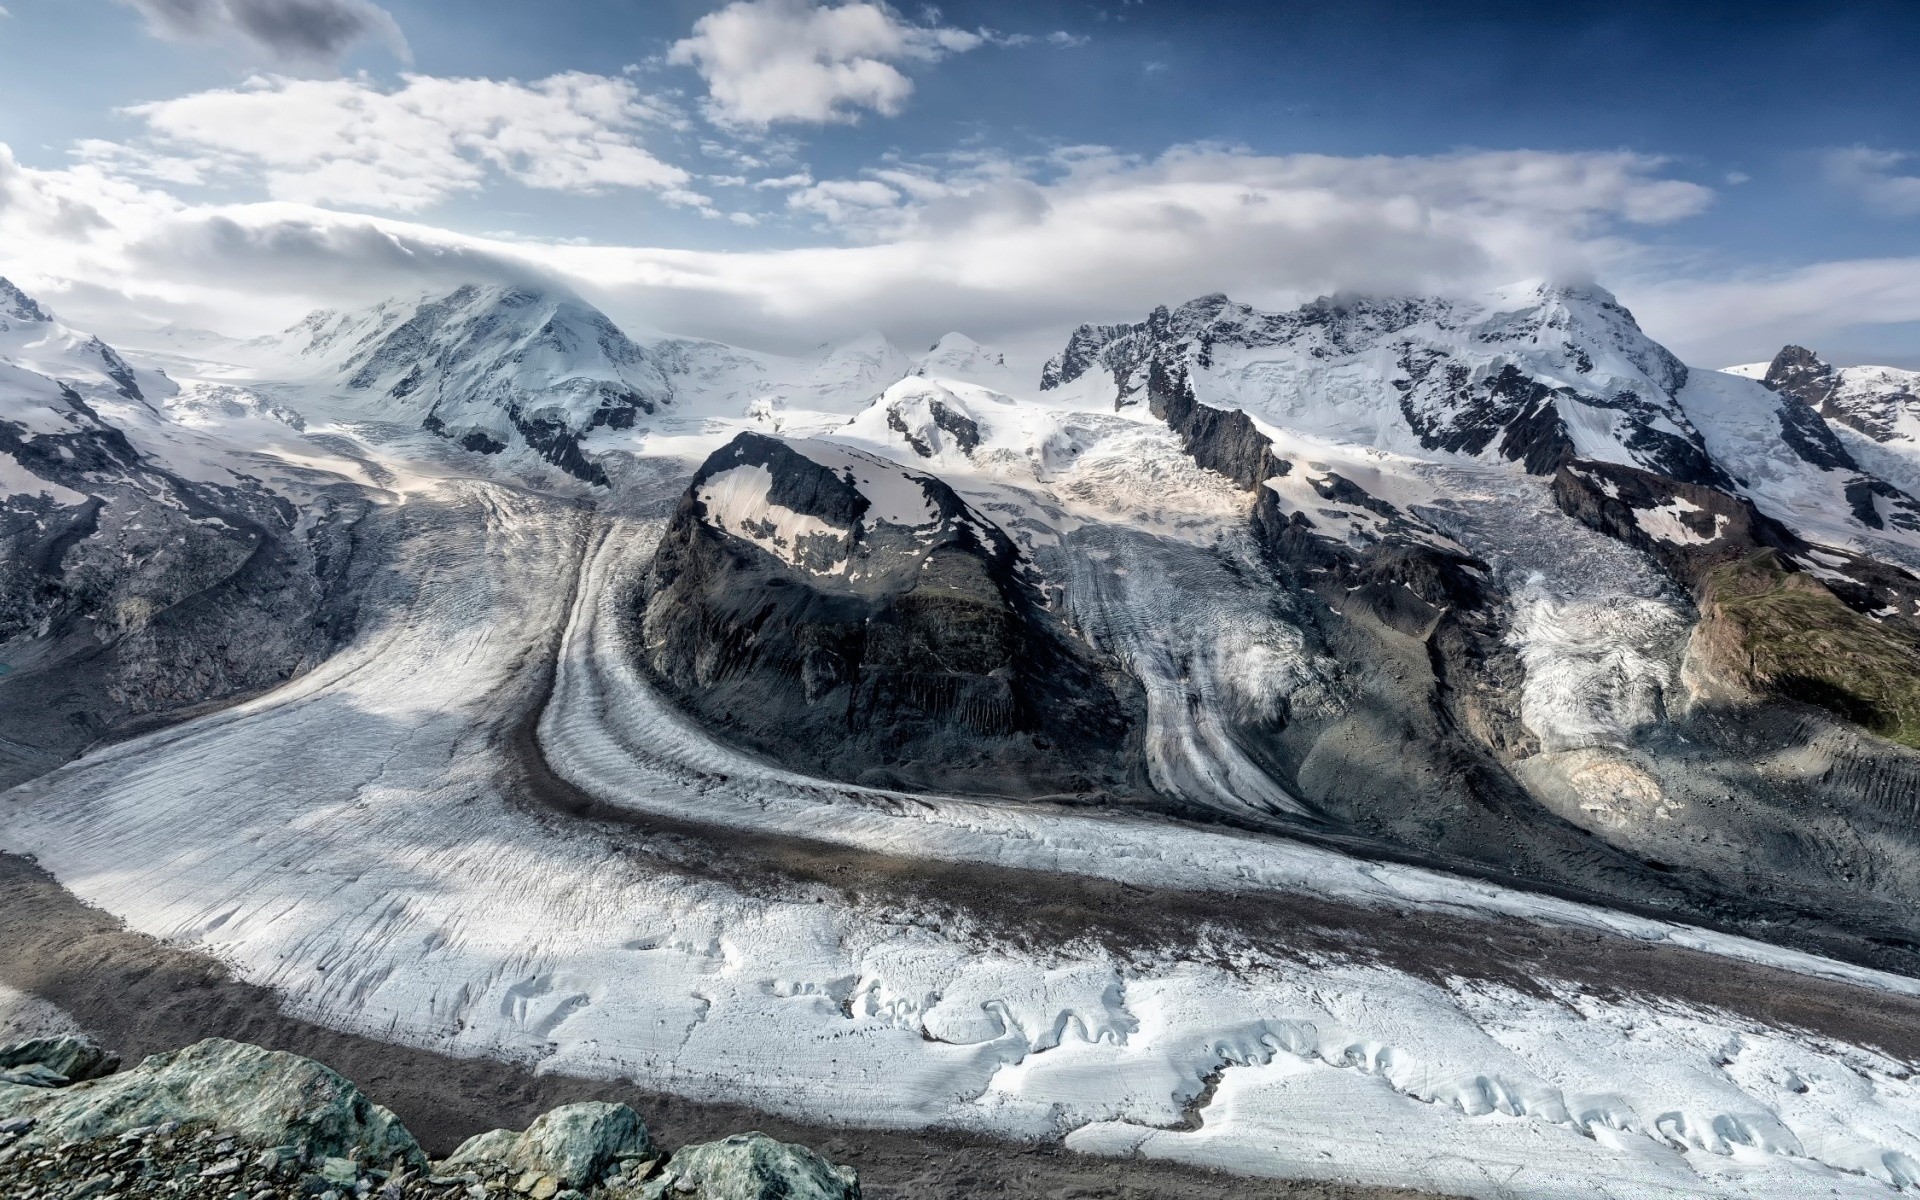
[291, 32]
[796, 60]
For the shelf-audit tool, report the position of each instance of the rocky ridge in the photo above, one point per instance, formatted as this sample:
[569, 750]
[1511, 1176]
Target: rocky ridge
[130, 590]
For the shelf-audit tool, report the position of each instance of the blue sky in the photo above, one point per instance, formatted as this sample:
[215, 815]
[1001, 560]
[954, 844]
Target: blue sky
[1739, 173]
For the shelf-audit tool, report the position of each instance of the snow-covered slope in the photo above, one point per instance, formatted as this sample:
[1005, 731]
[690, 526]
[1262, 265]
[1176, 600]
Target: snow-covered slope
[32, 339]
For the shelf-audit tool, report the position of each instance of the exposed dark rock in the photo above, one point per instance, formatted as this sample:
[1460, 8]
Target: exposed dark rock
[1807, 435]
[962, 428]
[788, 609]
[1798, 372]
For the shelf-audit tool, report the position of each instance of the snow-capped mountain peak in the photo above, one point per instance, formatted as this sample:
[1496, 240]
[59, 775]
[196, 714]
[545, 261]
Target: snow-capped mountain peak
[1534, 373]
[957, 356]
[1881, 402]
[16, 305]
[491, 367]
[33, 339]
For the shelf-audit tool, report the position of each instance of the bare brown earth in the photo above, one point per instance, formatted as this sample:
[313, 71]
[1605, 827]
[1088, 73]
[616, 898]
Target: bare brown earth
[141, 996]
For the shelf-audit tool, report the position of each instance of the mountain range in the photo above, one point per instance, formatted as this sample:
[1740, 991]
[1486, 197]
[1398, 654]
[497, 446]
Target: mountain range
[1493, 593]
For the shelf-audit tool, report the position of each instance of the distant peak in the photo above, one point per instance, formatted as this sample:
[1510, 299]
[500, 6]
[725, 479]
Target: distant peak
[18, 305]
[1798, 357]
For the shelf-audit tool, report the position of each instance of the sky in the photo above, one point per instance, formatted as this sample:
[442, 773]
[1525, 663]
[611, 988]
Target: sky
[779, 173]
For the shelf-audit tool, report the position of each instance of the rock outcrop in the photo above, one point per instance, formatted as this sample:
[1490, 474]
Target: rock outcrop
[56, 1061]
[578, 1146]
[752, 1166]
[220, 1119]
[853, 618]
[259, 1097]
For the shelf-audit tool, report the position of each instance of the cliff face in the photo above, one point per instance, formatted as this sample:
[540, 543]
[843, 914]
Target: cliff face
[849, 617]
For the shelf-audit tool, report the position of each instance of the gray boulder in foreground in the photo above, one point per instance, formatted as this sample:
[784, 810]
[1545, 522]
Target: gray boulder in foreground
[264, 1097]
[577, 1145]
[751, 1166]
[72, 1057]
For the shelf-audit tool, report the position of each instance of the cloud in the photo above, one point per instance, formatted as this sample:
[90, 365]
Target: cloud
[1011, 250]
[766, 61]
[842, 200]
[1746, 318]
[350, 142]
[1871, 176]
[298, 32]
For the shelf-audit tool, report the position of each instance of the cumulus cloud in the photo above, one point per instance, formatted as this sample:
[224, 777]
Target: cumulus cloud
[797, 60]
[297, 32]
[1875, 177]
[351, 142]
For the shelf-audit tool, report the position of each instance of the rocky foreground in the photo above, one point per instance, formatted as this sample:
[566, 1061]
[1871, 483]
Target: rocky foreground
[230, 1120]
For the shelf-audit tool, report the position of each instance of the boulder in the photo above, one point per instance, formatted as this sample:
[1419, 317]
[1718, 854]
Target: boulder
[265, 1097]
[576, 1145]
[74, 1057]
[751, 1166]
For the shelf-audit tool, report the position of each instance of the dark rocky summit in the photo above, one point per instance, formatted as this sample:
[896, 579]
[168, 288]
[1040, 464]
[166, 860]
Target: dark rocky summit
[1872, 406]
[849, 617]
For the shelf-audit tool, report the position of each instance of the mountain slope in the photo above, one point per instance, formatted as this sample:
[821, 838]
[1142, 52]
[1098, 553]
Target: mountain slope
[129, 590]
[1568, 582]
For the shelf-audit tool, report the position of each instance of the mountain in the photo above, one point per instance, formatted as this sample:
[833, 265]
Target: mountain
[492, 368]
[33, 339]
[1430, 475]
[957, 356]
[850, 617]
[132, 587]
[1881, 402]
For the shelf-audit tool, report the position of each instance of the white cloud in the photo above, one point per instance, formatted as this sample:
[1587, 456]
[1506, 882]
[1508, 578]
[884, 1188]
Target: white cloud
[844, 200]
[1746, 318]
[1002, 249]
[351, 142]
[1872, 176]
[797, 60]
[300, 32]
